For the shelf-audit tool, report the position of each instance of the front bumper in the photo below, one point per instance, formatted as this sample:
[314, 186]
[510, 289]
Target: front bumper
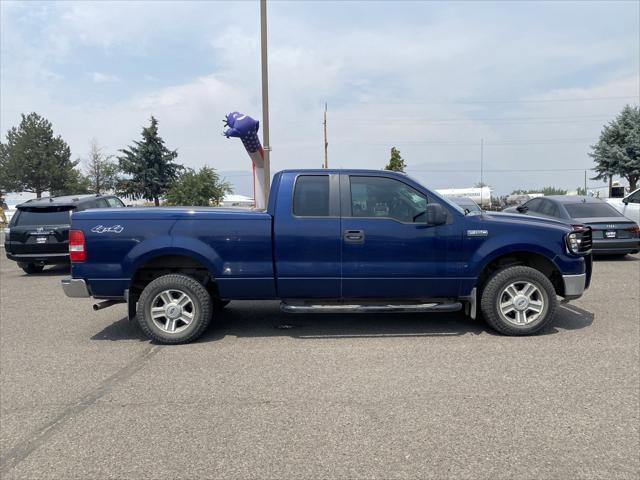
[75, 287]
[574, 285]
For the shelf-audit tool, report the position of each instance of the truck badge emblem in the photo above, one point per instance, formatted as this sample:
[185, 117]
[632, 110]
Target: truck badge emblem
[103, 229]
[477, 233]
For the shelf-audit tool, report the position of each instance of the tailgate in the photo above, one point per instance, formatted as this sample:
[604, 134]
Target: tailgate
[39, 231]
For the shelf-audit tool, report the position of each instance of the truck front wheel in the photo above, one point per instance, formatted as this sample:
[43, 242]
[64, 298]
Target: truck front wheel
[174, 309]
[518, 300]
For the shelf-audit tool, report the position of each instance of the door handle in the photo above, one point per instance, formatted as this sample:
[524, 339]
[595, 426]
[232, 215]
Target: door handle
[354, 236]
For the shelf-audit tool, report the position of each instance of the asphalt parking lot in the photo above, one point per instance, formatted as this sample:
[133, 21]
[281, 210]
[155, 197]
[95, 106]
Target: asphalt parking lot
[269, 395]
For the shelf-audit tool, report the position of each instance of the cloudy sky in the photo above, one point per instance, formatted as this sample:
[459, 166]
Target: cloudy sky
[535, 80]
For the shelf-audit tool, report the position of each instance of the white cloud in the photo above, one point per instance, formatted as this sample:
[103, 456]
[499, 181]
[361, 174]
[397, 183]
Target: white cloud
[98, 77]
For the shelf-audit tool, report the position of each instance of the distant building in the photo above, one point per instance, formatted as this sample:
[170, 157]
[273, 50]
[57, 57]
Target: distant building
[520, 198]
[480, 195]
[238, 201]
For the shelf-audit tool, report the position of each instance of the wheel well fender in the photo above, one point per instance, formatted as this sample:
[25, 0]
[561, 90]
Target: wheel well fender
[542, 263]
[172, 261]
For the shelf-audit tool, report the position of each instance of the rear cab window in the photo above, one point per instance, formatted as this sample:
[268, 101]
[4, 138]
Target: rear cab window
[311, 196]
[43, 216]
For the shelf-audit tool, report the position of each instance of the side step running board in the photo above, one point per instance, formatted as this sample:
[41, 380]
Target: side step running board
[397, 308]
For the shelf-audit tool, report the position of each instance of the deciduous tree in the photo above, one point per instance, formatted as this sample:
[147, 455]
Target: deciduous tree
[102, 171]
[202, 188]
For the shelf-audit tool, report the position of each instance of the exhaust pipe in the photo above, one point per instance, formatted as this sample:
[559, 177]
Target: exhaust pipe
[105, 304]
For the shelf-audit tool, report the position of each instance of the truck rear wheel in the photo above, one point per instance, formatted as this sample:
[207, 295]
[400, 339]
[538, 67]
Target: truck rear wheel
[174, 309]
[30, 268]
[518, 301]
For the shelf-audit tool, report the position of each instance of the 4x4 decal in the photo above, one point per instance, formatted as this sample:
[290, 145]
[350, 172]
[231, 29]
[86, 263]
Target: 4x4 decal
[103, 229]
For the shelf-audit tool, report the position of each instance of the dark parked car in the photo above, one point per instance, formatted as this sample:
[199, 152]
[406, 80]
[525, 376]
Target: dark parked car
[613, 233]
[38, 234]
[466, 203]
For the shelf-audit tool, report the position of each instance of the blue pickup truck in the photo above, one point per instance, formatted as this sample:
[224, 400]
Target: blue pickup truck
[329, 240]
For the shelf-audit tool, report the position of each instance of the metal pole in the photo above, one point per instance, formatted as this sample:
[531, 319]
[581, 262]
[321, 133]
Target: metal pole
[326, 144]
[585, 182]
[265, 99]
[481, 168]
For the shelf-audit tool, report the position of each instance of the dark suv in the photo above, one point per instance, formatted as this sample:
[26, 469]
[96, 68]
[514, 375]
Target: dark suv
[38, 234]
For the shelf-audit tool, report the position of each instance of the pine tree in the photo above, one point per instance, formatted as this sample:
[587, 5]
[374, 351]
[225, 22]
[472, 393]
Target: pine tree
[396, 162]
[618, 149]
[33, 160]
[149, 166]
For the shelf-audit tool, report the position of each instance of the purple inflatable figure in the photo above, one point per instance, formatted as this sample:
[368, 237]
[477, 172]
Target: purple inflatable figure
[246, 129]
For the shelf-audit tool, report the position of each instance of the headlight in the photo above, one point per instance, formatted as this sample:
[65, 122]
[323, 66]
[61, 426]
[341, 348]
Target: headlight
[573, 243]
[7, 231]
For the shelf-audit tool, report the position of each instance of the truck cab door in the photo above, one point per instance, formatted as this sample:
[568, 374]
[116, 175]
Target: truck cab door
[388, 248]
[306, 235]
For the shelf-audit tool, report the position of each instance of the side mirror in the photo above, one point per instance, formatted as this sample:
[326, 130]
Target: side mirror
[522, 209]
[625, 200]
[436, 214]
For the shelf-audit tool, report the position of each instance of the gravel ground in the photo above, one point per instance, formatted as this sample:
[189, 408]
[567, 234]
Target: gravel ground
[266, 395]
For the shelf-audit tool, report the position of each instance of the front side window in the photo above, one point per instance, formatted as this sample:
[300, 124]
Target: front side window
[386, 198]
[548, 208]
[311, 196]
[634, 198]
[114, 203]
[534, 205]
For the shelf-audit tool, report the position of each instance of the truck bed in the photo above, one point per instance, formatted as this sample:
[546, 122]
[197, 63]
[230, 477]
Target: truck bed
[234, 244]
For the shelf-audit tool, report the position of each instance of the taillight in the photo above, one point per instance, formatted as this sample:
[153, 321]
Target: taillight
[634, 229]
[77, 252]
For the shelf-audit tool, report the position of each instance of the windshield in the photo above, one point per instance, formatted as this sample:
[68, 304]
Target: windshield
[44, 216]
[591, 210]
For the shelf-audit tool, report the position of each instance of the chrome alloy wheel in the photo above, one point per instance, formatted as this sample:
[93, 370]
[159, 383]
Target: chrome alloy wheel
[172, 311]
[521, 303]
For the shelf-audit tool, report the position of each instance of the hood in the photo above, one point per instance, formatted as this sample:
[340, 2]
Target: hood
[521, 219]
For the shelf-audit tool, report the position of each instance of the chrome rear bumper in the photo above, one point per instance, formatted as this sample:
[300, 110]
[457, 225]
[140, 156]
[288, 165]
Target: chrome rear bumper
[75, 287]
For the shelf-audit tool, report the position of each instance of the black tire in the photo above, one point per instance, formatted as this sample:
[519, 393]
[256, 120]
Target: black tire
[494, 293]
[31, 268]
[201, 309]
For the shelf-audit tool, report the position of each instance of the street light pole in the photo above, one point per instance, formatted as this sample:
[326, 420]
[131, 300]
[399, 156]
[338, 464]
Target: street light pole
[326, 144]
[265, 99]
